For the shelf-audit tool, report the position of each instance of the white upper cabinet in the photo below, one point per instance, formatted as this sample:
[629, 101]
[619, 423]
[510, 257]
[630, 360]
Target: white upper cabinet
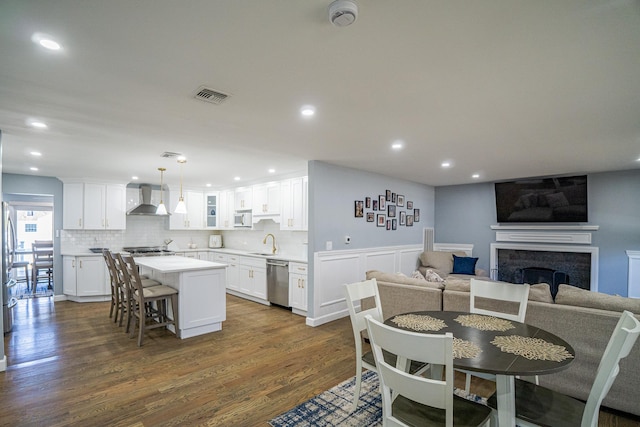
[194, 218]
[226, 209]
[294, 204]
[266, 199]
[243, 198]
[212, 210]
[94, 206]
[73, 206]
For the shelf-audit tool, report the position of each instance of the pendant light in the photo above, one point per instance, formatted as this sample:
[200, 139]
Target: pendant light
[162, 210]
[181, 208]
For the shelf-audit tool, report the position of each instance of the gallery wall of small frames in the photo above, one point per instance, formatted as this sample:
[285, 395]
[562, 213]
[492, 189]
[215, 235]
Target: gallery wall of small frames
[389, 210]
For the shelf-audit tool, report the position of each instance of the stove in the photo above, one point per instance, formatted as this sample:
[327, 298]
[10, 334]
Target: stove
[138, 251]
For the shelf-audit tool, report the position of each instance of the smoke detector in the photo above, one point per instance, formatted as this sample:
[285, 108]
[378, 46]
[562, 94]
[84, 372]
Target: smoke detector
[343, 12]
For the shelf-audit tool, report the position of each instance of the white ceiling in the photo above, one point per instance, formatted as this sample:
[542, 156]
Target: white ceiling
[503, 88]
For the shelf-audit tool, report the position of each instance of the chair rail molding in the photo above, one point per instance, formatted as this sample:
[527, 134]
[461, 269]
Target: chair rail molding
[633, 285]
[333, 269]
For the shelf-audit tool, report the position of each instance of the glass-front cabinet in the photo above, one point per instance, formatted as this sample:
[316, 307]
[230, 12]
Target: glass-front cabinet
[212, 210]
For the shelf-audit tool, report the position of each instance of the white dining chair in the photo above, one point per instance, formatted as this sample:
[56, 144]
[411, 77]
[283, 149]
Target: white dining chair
[540, 406]
[501, 292]
[412, 400]
[354, 293]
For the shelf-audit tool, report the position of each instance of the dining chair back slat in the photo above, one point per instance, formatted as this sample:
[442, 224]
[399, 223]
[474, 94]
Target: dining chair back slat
[409, 399]
[42, 262]
[497, 293]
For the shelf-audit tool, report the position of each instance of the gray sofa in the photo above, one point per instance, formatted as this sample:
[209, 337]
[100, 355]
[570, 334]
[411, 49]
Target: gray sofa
[582, 318]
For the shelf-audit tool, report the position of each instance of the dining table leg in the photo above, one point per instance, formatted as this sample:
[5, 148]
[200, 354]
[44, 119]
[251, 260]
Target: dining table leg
[506, 399]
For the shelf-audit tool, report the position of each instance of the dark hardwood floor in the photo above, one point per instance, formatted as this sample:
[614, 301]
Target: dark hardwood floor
[70, 365]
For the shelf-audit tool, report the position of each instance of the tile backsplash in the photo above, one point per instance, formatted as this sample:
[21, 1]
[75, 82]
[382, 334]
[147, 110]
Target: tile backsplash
[152, 231]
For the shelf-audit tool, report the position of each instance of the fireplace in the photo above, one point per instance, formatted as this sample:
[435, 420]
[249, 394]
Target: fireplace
[552, 264]
[534, 275]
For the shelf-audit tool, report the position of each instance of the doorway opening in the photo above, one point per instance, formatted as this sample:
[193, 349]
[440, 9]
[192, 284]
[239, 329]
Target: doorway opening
[33, 271]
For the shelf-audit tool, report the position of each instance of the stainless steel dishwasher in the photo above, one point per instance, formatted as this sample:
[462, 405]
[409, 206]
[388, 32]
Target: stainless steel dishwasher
[278, 282]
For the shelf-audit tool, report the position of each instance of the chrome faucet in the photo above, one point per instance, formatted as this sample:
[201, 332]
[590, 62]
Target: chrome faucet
[273, 248]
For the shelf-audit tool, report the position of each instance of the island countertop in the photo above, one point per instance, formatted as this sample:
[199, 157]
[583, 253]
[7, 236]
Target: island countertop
[176, 264]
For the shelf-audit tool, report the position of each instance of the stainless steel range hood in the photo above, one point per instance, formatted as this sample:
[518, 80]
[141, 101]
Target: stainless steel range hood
[145, 207]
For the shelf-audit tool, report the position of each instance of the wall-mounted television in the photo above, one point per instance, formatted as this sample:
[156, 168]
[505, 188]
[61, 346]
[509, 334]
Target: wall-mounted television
[561, 199]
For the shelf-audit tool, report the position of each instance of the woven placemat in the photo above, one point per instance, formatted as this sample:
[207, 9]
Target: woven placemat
[419, 322]
[484, 323]
[531, 348]
[465, 349]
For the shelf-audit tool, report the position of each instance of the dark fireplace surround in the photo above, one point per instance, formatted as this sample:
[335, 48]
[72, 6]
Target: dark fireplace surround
[552, 267]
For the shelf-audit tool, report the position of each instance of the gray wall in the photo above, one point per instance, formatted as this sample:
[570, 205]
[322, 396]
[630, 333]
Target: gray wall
[464, 214]
[15, 187]
[332, 192]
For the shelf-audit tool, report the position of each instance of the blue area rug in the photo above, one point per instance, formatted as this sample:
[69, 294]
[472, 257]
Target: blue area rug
[333, 407]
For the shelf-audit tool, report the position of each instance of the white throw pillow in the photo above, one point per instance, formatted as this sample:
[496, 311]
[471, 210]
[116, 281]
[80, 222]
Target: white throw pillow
[417, 275]
[432, 276]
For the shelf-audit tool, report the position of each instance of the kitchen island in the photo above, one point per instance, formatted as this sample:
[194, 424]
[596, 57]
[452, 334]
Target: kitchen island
[201, 291]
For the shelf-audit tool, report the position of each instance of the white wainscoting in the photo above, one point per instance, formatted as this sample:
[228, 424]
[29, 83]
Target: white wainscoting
[634, 274]
[333, 269]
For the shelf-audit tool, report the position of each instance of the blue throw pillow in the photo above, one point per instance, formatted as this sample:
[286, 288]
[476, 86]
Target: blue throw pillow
[464, 265]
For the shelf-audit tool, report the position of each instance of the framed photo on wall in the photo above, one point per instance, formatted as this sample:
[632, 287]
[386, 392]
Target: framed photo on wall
[370, 217]
[382, 203]
[409, 220]
[403, 217]
[388, 224]
[375, 205]
[394, 224]
[382, 220]
[367, 202]
[400, 201]
[359, 208]
[388, 195]
[416, 215]
[393, 197]
[409, 204]
[391, 211]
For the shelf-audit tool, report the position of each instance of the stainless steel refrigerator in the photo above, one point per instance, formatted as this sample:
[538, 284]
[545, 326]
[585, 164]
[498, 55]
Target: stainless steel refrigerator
[8, 253]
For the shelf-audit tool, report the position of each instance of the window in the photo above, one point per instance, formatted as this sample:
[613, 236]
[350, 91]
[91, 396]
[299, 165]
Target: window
[31, 228]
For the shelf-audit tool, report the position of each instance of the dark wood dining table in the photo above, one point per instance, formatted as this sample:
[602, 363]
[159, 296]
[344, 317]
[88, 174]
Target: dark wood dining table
[506, 353]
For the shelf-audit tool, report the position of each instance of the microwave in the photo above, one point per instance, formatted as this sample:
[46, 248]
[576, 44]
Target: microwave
[242, 219]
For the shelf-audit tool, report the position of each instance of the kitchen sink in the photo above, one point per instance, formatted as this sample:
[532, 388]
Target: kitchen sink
[261, 254]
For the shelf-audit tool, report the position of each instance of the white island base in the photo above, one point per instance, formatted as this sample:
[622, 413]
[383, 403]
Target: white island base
[201, 289]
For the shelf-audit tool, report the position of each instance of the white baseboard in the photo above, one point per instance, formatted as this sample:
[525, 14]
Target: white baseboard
[317, 321]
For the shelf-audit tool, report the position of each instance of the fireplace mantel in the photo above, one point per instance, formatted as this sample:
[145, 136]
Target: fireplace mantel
[557, 234]
[547, 227]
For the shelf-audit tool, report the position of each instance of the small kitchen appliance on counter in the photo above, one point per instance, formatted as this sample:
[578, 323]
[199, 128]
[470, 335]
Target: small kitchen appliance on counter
[215, 241]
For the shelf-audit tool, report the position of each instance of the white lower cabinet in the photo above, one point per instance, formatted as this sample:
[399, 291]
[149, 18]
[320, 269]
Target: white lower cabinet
[85, 278]
[252, 277]
[298, 287]
[232, 268]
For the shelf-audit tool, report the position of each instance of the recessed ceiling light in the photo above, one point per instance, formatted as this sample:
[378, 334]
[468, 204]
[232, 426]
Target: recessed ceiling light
[37, 124]
[33, 168]
[237, 178]
[272, 170]
[397, 145]
[46, 41]
[208, 185]
[308, 111]
[445, 164]
[36, 153]
[134, 178]
[475, 176]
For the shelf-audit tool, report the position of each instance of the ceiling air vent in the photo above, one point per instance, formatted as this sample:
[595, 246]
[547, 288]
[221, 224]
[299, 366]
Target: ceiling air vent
[170, 154]
[210, 95]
